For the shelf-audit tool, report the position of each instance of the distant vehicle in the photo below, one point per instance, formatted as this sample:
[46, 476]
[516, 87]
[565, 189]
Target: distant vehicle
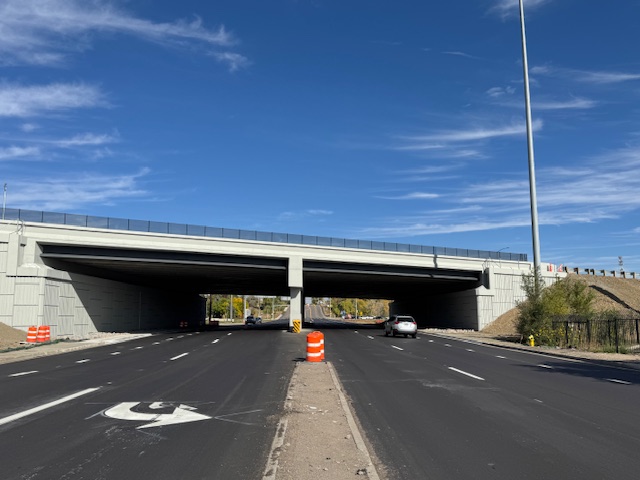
[401, 325]
[251, 320]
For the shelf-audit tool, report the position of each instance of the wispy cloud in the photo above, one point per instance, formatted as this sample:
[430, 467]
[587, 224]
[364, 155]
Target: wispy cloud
[509, 8]
[289, 216]
[27, 101]
[602, 187]
[70, 191]
[45, 32]
[411, 196]
[12, 153]
[497, 92]
[446, 138]
[586, 76]
[87, 139]
[460, 54]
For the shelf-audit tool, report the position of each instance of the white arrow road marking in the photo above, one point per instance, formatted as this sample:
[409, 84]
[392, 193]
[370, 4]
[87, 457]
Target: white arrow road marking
[181, 414]
[26, 413]
[23, 373]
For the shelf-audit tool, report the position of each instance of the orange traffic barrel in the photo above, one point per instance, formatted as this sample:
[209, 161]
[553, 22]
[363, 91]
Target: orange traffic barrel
[315, 347]
[32, 334]
[44, 334]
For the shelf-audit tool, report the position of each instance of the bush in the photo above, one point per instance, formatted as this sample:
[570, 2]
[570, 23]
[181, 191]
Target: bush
[569, 296]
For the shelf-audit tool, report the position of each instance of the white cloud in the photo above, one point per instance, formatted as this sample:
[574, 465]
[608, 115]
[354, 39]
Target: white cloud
[288, 216]
[411, 196]
[28, 101]
[510, 8]
[28, 127]
[44, 32]
[586, 76]
[496, 92]
[234, 60]
[70, 191]
[10, 153]
[87, 139]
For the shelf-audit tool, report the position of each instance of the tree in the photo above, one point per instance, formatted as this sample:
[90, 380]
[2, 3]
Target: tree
[569, 296]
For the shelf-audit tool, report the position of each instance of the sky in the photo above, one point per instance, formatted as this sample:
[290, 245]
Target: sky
[397, 121]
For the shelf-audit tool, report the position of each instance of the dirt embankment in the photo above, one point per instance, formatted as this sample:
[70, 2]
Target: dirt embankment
[611, 293]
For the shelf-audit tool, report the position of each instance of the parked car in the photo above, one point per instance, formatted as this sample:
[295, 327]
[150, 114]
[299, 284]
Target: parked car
[401, 325]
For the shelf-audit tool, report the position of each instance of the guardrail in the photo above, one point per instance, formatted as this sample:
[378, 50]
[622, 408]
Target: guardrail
[111, 223]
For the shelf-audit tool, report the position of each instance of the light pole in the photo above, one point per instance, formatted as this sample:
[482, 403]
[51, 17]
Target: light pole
[532, 172]
[4, 200]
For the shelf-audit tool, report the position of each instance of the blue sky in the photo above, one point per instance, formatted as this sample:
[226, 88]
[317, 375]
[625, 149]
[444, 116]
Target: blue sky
[370, 119]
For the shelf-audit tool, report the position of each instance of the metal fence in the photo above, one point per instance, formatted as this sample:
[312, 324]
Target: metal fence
[619, 334]
[111, 223]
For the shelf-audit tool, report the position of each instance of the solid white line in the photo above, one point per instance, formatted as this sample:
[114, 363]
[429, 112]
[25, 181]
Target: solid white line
[31, 411]
[116, 353]
[23, 373]
[397, 348]
[466, 373]
[83, 361]
[614, 380]
[179, 356]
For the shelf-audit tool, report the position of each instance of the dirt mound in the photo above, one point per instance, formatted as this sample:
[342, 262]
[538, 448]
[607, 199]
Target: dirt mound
[11, 337]
[611, 293]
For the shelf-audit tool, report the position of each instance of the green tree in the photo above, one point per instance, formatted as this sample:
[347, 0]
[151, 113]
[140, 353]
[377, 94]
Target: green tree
[569, 296]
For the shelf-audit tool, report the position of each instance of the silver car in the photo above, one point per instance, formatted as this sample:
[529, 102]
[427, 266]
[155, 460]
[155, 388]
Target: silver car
[401, 325]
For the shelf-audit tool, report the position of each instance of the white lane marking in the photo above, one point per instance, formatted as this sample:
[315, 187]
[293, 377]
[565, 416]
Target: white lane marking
[430, 341]
[179, 356]
[138, 348]
[228, 334]
[155, 343]
[355, 331]
[31, 411]
[397, 348]
[181, 336]
[83, 361]
[545, 366]
[447, 345]
[169, 339]
[500, 356]
[469, 350]
[615, 380]
[369, 336]
[116, 353]
[466, 373]
[539, 401]
[216, 340]
[23, 373]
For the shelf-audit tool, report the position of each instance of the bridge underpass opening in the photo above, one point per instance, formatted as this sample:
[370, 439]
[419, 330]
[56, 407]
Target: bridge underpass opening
[420, 291]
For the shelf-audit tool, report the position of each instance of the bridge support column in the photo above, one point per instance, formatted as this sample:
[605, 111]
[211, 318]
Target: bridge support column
[295, 287]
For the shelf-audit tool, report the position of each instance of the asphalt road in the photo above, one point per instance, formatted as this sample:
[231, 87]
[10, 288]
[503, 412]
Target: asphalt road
[192, 406]
[437, 408]
[206, 405]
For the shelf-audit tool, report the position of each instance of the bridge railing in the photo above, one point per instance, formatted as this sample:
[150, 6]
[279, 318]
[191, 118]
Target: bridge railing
[112, 223]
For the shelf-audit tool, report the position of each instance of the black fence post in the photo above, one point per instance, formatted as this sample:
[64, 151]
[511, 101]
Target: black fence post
[617, 340]
[637, 333]
[566, 333]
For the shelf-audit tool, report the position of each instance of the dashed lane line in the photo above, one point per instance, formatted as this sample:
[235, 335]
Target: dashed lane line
[466, 373]
[179, 356]
[26, 413]
[21, 374]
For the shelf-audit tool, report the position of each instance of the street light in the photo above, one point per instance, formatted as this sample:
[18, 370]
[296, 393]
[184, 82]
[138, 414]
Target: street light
[532, 173]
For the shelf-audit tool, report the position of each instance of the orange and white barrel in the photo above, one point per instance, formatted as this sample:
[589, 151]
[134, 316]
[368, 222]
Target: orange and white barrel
[44, 334]
[315, 347]
[32, 334]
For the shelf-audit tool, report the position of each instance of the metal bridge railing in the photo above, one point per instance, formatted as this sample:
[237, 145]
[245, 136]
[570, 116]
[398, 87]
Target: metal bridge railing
[111, 223]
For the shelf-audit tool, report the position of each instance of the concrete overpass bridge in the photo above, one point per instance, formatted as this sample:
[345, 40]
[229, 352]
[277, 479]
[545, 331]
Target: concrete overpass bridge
[80, 274]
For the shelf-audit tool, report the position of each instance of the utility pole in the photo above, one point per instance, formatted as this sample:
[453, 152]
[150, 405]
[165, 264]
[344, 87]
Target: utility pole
[532, 173]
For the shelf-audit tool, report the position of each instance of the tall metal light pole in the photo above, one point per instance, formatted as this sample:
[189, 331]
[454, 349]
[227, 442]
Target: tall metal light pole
[532, 172]
[4, 200]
